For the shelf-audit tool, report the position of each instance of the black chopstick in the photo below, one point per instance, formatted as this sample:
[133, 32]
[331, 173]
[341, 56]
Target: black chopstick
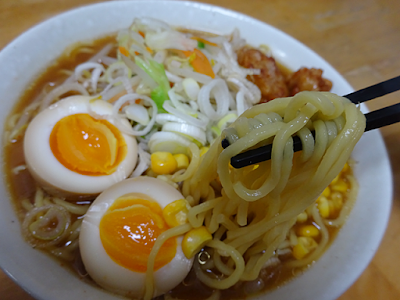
[375, 119]
[375, 91]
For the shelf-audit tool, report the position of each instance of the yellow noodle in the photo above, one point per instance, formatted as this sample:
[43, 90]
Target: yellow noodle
[193, 215]
[193, 166]
[216, 216]
[168, 179]
[222, 267]
[26, 204]
[39, 197]
[17, 133]
[77, 209]
[66, 253]
[258, 206]
[18, 169]
[75, 229]
[47, 201]
[231, 279]
[321, 245]
[292, 237]
[241, 216]
[175, 231]
[12, 120]
[226, 222]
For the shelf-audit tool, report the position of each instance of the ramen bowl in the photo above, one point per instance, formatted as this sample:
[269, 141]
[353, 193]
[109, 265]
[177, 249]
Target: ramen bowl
[327, 278]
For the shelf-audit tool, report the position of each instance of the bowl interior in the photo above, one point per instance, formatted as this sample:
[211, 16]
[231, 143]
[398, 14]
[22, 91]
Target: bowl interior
[24, 58]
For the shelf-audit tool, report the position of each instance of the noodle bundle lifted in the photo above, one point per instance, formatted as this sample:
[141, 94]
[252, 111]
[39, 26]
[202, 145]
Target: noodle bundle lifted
[251, 216]
[127, 182]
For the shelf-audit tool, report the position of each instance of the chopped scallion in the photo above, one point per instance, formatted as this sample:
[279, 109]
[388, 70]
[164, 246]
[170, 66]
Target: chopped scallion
[200, 45]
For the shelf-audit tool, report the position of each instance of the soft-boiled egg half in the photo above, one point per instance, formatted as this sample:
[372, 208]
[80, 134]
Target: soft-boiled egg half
[73, 149]
[119, 231]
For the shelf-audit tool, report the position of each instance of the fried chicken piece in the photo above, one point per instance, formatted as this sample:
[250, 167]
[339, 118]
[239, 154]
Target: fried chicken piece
[308, 80]
[271, 81]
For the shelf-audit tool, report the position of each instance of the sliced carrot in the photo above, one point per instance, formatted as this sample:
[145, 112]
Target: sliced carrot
[119, 95]
[123, 51]
[116, 97]
[200, 62]
[199, 39]
[141, 33]
[149, 49]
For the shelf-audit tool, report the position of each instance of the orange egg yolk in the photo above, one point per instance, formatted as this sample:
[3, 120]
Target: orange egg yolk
[87, 146]
[128, 231]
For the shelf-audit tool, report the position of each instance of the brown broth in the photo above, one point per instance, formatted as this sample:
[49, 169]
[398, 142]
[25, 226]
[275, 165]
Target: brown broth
[22, 185]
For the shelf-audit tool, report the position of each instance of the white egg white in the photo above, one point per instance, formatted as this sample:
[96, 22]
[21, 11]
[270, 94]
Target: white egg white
[108, 273]
[54, 177]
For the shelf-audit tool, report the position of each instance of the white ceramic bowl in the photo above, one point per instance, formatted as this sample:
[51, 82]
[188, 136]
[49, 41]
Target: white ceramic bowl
[25, 57]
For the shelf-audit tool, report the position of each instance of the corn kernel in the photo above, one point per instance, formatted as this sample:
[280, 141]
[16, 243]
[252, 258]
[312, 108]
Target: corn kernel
[194, 240]
[203, 150]
[302, 217]
[304, 246]
[182, 161]
[337, 200]
[299, 251]
[335, 179]
[308, 231]
[346, 167]
[163, 163]
[340, 186]
[337, 196]
[332, 208]
[176, 212]
[326, 192]
[323, 206]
